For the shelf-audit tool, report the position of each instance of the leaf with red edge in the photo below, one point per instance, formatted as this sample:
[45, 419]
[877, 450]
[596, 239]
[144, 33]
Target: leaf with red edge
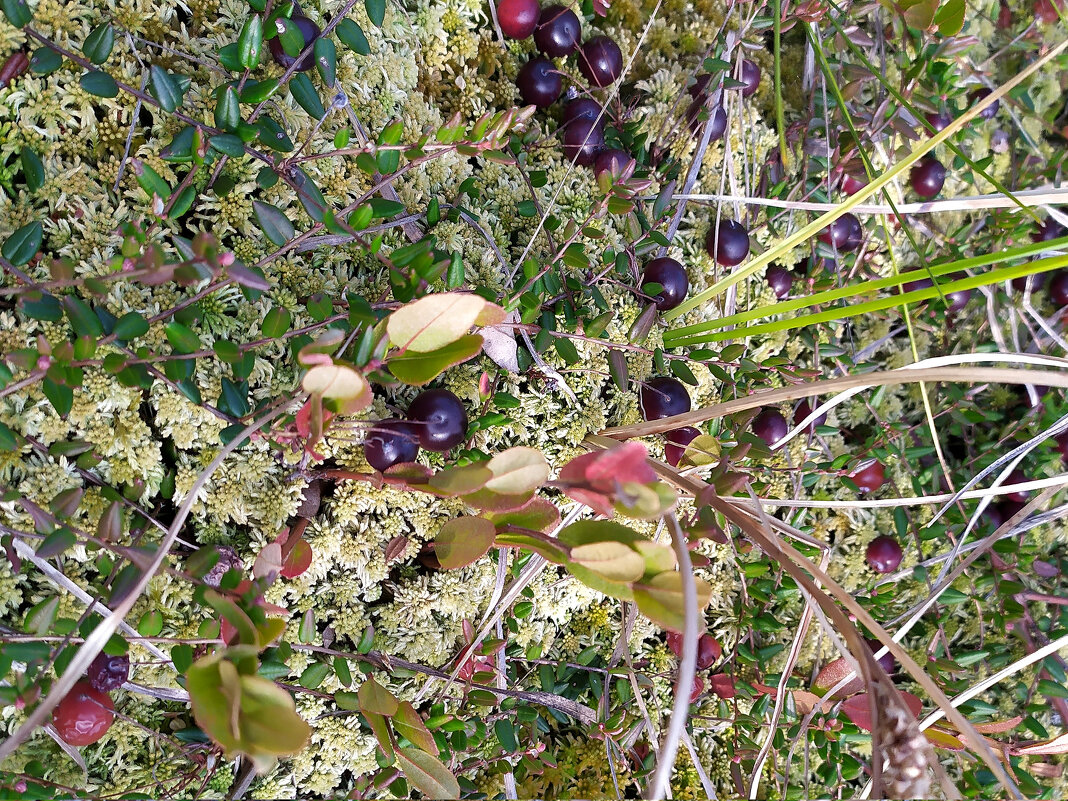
[299, 559]
[832, 673]
[463, 540]
[600, 7]
[857, 710]
[940, 738]
[627, 462]
[537, 514]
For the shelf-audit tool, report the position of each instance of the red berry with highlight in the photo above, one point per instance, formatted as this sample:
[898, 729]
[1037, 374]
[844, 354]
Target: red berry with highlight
[728, 243]
[928, 177]
[84, 715]
[440, 418]
[601, 61]
[870, 476]
[107, 672]
[517, 18]
[884, 554]
[770, 426]
[391, 442]
[583, 140]
[558, 31]
[539, 82]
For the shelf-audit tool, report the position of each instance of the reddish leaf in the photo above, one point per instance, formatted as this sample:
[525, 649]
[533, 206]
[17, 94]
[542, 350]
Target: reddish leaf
[628, 462]
[722, 685]
[299, 559]
[856, 709]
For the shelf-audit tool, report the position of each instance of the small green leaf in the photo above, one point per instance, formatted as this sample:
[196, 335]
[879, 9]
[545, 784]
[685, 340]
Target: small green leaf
[166, 88]
[8, 441]
[273, 222]
[314, 675]
[289, 36]
[23, 244]
[41, 616]
[463, 540]
[229, 144]
[17, 12]
[32, 169]
[150, 624]
[276, 322]
[352, 36]
[427, 774]
[99, 43]
[56, 543]
[182, 339]
[376, 11]
[82, 319]
[326, 59]
[228, 110]
[376, 699]
[45, 60]
[417, 369]
[950, 17]
[99, 83]
[505, 731]
[59, 395]
[130, 325]
[250, 42]
[300, 86]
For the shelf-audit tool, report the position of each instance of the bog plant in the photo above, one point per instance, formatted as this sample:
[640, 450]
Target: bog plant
[241, 240]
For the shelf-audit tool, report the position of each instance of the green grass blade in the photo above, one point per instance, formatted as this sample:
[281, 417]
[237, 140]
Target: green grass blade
[867, 287]
[919, 151]
[879, 304]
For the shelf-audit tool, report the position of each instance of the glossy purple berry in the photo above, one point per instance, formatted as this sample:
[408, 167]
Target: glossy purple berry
[558, 31]
[677, 440]
[870, 476]
[310, 31]
[1050, 229]
[391, 442]
[728, 243]
[671, 276]
[581, 108]
[845, 234]
[517, 18]
[107, 672]
[539, 82]
[750, 76]
[803, 410]
[1016, 477]
[886, 661]
[955, 301]
[717, 115]
[990, 111]
[601, 61]
[927, 177]
[583, 140]
[440, 418]
[612, 161]
[940, 120]
[663, 397]
[884, 554]
[770, 426]
[780, 280]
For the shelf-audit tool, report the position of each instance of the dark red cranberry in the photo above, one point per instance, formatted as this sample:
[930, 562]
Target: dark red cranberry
[1009, 508]
[851, 184]
[558, 31]
[583, 140]
[1061, 441]
[672, 279]
[581, 108]
[884, 554]
[539, 82]
[107, 672]
[518, 18]
[697, 89]
[728, 243]
[845, 234]
[1050, 229]
[677, 440]
[391, 442]
[780, 280]
[601, 61]
[717, 114]
[927, 177]
[310, 31]
[1046, 11]
[698, 688]
[708, 651]
[1037, 281]
[750, 76]
[770, 426]
[612, 161]
[940, 120]
[803, 410]
[993, 515]
[84, 715]
[1016, 477]
[922, 283]
[886, 661]
[441, 419]
[990, 111]
[1058, 288]
[869, 476]
[663, 397]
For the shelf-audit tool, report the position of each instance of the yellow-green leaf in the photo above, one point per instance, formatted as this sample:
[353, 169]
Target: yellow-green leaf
[463, 540]
[409, 724]
[377, 699]
[427, 774]
[416, 369]
[435, 321]
[613, 560]
[339, 383]
[661, 599]
[517, 470]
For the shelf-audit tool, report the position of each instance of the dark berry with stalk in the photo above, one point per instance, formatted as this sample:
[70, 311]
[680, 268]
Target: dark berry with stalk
[884, 554]
[309, 31]
[1050, 229]
[601, 61]
[517, 18]
[663, 397]
[770, 426]
[391, 442]
[939, 121]
[728, 243]
[558, 31]
[108, 672]
[611, 161]
[581, 108]
[927, 177]
[539, 82]
[1058, 288]
[671, 276]
[979, 95]
[845, 234]
[440, 418]
[750, 77]
[677, 440]
[803, 410]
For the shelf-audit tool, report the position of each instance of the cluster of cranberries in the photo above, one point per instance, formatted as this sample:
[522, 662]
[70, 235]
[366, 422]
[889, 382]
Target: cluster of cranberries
[436, 421]
[557, 33]
[87, 711]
